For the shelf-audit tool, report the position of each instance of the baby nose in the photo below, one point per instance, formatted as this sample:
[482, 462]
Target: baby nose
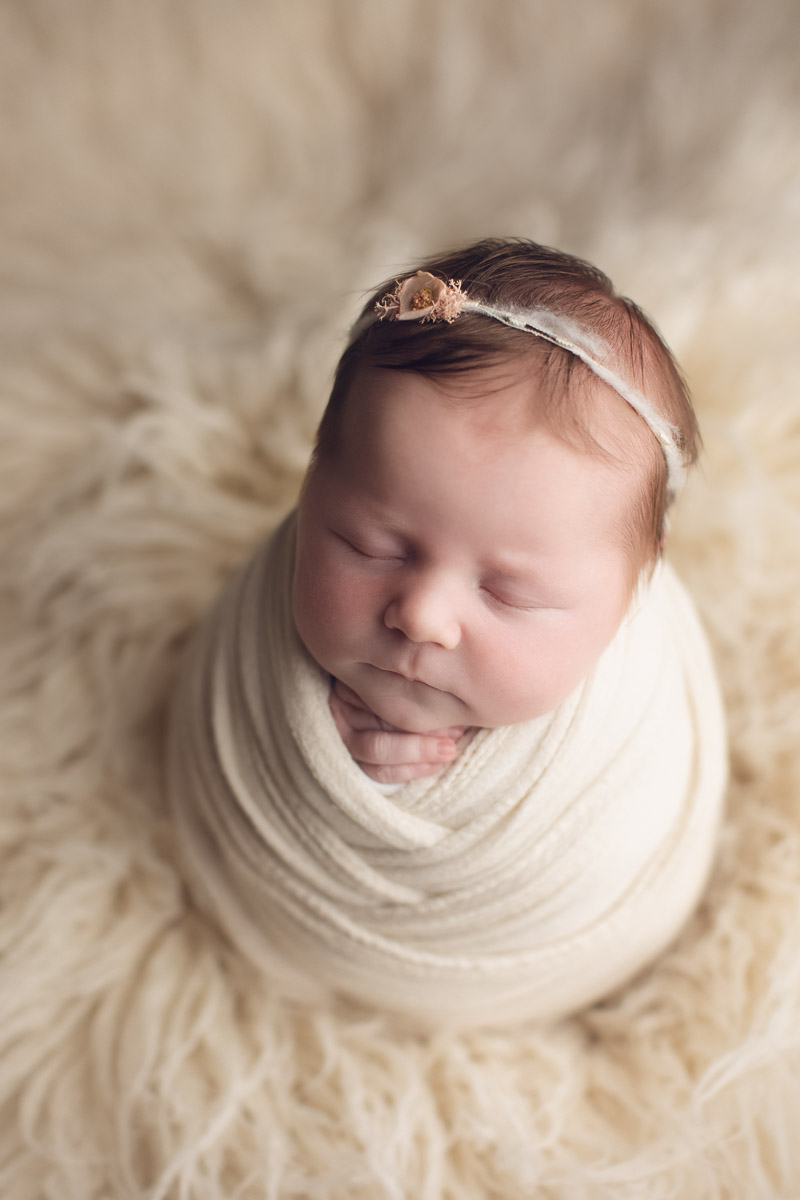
[424, 613]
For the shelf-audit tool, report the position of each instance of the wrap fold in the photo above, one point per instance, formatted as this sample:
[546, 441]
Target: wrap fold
[542, 868]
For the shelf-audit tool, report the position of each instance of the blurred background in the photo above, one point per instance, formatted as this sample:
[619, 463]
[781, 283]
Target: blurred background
[198, 169]
[194, 195]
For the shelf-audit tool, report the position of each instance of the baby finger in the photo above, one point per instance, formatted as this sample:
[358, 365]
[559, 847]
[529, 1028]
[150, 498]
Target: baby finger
[383, 748]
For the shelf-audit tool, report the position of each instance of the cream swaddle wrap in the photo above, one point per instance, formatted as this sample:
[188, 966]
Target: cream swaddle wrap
[540, 869]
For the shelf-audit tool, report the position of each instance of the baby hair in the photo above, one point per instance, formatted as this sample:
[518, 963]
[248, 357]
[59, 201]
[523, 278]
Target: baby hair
[515, 275]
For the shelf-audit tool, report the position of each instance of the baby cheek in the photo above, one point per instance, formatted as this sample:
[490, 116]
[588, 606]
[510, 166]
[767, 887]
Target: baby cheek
[311, 604]
[494, 677]
[524, 673]
[520, 681]
[332, 611]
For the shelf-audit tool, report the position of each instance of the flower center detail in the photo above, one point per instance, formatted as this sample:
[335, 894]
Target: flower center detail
[422, 299]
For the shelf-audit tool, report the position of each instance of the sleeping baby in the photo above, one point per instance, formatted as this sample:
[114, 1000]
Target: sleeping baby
[451, 743]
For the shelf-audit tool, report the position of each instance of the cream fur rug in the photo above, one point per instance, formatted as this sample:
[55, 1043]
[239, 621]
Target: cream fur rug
[188, 190]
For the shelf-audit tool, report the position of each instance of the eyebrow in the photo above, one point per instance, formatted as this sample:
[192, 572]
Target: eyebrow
[514, 566]
[349, 510]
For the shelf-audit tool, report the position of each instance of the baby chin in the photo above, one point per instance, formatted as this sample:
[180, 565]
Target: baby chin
[408, 704]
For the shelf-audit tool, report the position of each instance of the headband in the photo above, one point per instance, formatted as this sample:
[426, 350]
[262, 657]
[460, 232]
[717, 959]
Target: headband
[424, 297]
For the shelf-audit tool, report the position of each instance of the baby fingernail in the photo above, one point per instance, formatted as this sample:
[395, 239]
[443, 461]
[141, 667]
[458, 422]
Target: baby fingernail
[445, 748]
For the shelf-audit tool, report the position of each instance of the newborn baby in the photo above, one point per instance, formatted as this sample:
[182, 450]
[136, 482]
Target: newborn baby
[459, 562]
[469, 607]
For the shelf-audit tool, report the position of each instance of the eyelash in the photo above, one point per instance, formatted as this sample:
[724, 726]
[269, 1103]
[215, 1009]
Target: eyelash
[365, 554]
[501, 603]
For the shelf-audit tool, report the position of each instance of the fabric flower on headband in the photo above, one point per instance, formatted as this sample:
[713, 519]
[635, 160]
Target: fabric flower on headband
[422, 297]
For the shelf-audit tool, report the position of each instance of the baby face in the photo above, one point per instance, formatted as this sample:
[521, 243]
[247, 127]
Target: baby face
[455, 565]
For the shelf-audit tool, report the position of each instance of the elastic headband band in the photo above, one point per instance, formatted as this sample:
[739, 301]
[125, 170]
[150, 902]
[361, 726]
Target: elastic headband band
[424, 297]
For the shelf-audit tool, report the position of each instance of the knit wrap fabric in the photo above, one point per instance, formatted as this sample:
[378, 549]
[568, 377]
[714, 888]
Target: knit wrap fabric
[541, 869]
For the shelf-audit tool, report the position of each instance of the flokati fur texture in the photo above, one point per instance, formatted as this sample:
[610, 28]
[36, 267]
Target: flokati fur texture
[188, 190]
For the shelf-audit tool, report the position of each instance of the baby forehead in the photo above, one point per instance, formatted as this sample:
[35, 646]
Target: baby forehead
[492, 442]
[514, 396]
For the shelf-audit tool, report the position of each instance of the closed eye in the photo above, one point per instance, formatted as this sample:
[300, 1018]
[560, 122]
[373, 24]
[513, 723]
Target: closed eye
[361, 552]
[511, 604]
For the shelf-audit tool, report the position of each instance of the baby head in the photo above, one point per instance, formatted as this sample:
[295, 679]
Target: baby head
[490, 481]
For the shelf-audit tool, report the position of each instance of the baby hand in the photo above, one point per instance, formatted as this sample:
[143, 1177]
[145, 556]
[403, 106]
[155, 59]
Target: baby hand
[384, 752]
